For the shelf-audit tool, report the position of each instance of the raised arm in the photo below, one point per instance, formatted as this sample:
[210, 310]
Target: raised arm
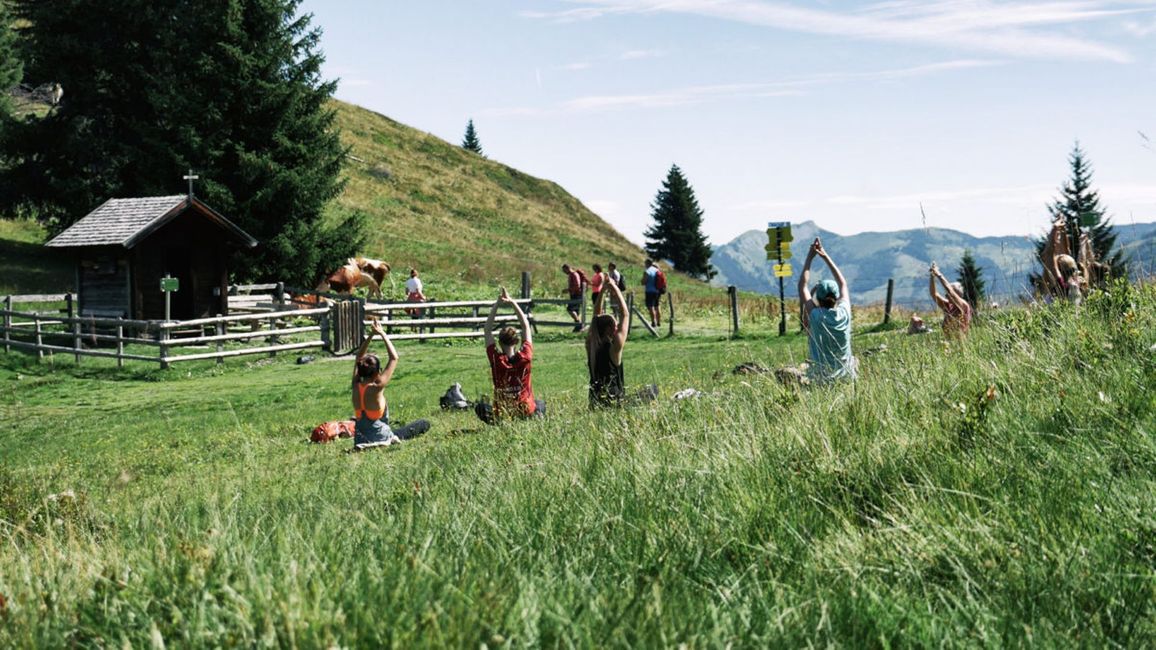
[390, 365]
[523, 320]
[933, 273]
[620, 303]
[844, 290]
[490, 321]
[805, 278]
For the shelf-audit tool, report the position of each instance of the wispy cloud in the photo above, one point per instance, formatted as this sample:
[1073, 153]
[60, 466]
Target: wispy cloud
[718, 92]
[631, 55]
[1140, 29]
[1018, 29]
[581, 65]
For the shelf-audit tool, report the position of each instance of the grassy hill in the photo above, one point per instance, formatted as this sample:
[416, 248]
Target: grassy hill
[459, 216]
[993, 493]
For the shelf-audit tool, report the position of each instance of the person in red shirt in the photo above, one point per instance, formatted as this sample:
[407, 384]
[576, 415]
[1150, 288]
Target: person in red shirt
[510, 367]
[575, 280]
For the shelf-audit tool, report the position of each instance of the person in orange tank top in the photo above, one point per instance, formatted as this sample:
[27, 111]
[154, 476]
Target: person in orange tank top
[369, 406]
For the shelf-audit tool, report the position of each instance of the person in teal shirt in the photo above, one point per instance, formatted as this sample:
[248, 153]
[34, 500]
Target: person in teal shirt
[826, 313]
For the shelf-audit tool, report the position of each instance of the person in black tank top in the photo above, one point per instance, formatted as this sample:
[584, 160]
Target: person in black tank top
[604, 344]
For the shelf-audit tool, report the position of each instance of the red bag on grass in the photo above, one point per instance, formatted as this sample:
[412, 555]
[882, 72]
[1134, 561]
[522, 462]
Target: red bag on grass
[328, 431]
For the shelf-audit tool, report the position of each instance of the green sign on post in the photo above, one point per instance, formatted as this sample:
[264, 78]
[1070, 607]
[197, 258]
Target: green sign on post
[778, 249]
[169, 285]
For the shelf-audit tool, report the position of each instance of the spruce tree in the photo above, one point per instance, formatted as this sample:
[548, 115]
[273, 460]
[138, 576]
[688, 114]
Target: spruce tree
[155, 87]
[971, 277]
[676, 234]
[471, 142]
[1079, 204]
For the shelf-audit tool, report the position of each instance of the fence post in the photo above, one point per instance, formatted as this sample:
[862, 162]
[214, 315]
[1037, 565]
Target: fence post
[7, 323]
[39, 339]
[163, 339]
[525, 285]
[119, 344]
[76, 338]
[389, 322]
[582, 309]
[733, 294]
[219, 329]
[670, 306]
[887, 306]
[280, 296]
[324, 323]
[432, 315]
[630, 308]
[68, 303]
[272, 338]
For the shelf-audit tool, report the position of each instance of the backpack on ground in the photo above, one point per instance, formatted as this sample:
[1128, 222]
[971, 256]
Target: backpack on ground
[329, 431]
[454, 399]
[660, 282]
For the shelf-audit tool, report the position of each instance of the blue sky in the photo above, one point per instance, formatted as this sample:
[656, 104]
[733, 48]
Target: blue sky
[850, 114]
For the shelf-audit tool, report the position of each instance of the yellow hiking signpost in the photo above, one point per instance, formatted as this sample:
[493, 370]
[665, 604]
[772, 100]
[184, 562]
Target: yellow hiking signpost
[779, 250]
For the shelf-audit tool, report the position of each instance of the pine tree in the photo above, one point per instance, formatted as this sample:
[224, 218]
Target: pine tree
[471, 142]
[676, 234]
[155, 87]
[1079, 204]
[971, 277]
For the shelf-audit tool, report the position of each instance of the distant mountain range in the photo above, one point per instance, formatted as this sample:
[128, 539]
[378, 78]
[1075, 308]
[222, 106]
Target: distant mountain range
[869, 259]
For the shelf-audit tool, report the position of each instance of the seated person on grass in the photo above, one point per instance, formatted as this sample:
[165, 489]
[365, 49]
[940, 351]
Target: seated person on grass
[604, 344]
[826, 313]
[956, 311]
[509, 369]
[369, 408]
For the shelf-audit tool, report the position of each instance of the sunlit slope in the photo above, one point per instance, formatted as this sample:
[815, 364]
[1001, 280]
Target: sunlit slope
[457, 214]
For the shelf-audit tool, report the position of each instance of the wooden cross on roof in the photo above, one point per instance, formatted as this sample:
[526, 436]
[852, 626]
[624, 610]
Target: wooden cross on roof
[190, 177]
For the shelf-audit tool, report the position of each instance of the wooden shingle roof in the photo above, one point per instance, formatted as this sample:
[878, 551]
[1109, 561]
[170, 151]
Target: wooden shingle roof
[125, 222]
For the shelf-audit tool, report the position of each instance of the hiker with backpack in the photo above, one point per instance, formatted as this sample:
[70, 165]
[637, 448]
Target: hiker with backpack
[510, 367]
[372, 428]
[575, 281]
[654, 284]
[604, 344]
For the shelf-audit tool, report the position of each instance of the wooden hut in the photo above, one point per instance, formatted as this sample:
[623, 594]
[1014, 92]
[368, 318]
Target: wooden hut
[124, 248]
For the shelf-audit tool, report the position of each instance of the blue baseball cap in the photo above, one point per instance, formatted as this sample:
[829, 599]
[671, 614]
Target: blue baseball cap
[826, 289]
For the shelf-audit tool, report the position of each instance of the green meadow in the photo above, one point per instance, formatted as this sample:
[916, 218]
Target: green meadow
[995, 492]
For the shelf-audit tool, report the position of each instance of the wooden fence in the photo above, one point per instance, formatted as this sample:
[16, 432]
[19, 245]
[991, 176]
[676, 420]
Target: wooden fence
[264, 319]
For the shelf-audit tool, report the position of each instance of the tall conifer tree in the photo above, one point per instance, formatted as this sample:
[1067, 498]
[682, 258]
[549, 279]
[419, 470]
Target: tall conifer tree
[155, 87]
[471, 142]
[971, 277]
[1079, 206]
[676, 234]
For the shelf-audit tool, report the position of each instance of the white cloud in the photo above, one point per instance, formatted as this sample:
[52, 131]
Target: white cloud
[581, 65]
[712, 93]
[1007, 28]
[631, 55]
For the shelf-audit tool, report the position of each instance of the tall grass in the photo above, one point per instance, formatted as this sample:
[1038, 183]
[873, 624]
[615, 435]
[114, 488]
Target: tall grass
[993, 492]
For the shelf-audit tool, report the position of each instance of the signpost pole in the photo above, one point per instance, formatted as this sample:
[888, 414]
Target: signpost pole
[782, 310]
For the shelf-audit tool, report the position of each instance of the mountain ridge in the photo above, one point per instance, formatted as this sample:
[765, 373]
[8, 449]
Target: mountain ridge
[868, 259]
